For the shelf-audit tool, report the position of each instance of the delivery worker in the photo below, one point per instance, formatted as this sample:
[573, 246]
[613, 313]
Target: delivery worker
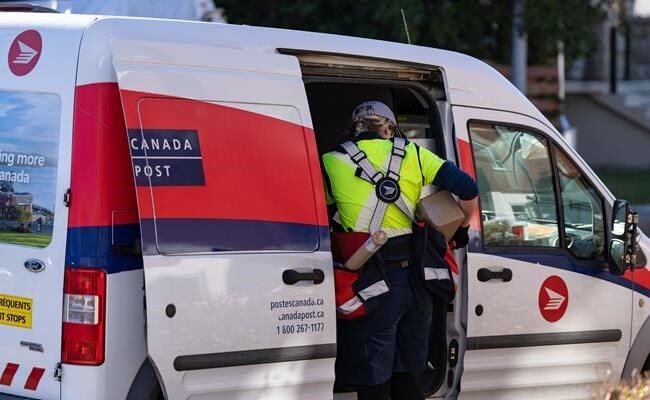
[384, 353]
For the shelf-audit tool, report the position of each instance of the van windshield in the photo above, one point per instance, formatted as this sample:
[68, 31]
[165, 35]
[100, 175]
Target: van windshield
[29, 144]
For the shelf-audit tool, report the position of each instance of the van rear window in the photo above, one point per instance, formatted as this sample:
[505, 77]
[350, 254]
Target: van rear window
[223, 177]
[29, 144]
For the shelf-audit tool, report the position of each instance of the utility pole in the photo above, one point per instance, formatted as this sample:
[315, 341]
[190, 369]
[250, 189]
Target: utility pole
[613, 59]
[519, 45]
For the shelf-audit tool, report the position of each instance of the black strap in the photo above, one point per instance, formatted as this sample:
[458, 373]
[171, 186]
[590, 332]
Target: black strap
[417, 151]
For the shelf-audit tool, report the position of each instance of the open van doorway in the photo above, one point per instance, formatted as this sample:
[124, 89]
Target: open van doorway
[418, 99]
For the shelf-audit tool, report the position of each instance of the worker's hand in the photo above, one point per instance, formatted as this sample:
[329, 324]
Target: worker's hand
[460, 238]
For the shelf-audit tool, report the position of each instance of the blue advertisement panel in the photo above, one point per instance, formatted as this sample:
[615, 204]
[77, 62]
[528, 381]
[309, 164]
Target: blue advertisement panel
[29, 145]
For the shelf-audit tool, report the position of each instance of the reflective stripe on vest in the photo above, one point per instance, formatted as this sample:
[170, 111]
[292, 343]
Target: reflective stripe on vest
[374, 290]
[431, 273]
[370, 174]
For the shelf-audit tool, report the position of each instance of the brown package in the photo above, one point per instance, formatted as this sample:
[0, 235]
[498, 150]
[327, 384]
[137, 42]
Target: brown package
[441, 211]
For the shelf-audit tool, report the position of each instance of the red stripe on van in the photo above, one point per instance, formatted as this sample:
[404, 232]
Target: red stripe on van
[641, 277]
[34, 378]
[281, 165]
[467, 165]
[102, 174]
[101, 163]
[466, 160]
[8, 374]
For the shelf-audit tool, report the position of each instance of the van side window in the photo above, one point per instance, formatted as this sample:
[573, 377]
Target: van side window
[517, 193]
[29, 145]
[582, 207]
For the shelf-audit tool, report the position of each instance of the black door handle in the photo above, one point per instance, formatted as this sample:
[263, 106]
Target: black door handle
[291, 276]
[485, 274]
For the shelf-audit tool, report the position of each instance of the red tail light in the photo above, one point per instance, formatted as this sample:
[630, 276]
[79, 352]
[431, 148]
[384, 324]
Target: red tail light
[84, 314]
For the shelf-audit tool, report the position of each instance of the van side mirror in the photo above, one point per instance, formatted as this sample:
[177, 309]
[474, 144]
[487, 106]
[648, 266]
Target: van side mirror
[622, 246]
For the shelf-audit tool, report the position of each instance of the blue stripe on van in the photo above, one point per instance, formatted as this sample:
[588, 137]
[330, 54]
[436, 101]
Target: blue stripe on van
[563, 262]
[92, 247]
[177, 236]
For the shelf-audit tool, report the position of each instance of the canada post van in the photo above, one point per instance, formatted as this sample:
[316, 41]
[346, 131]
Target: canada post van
[164, 233]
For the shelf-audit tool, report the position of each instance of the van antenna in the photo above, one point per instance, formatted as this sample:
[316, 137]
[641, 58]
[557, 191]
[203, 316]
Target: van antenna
[406, 27]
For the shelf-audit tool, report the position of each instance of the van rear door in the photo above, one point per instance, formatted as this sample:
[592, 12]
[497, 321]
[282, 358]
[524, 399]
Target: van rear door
[35, 140]
[239, 289]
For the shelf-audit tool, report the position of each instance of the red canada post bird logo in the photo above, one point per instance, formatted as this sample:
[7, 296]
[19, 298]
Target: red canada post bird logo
[25, 52]
[553, 298]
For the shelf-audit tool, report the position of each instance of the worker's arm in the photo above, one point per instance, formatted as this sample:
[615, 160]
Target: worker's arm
[469, 207]
[445, 174]
[461, 237]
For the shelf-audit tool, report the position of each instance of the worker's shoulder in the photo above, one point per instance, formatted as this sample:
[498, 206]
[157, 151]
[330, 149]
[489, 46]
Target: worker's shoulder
[411, 146]
[421, 151]
[415, 149]
[334, 154]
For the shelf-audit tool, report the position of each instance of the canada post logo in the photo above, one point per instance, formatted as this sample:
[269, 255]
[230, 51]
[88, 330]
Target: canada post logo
[553, 298]
[24, 53]
[166, 157]
[387, 190]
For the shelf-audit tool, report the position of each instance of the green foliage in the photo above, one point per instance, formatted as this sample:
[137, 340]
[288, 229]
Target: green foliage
[6, 186]
[26, 216]
[25, 239]
[572, 21]
[481, 28]
[628, 184]
[15, 213]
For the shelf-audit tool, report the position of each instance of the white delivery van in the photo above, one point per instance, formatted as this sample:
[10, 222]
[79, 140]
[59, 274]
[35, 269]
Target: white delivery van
[163, 227]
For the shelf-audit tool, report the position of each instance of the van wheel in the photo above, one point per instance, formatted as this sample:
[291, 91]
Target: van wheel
[646, 366]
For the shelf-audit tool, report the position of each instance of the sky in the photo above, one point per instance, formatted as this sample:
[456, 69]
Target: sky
[29, 124]
[642, 8]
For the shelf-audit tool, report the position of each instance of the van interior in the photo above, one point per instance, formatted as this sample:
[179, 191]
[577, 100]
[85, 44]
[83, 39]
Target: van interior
[335, 85]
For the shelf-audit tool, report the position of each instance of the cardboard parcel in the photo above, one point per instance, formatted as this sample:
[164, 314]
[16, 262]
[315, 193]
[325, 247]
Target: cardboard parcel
[440, 210]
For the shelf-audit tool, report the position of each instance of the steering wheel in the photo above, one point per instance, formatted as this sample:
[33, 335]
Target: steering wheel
[569, 238]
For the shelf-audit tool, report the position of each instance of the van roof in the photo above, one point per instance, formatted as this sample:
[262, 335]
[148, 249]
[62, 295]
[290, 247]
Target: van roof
[469, 81]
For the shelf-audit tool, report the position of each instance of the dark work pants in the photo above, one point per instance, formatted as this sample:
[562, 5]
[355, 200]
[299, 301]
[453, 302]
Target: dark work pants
[391, 342]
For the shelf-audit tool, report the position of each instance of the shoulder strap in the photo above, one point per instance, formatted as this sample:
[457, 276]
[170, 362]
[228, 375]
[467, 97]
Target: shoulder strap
[396, 157]
[370, 174]
[417, 151]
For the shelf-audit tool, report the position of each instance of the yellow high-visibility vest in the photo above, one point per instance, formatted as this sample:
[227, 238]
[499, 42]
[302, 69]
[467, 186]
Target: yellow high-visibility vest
[355, 197]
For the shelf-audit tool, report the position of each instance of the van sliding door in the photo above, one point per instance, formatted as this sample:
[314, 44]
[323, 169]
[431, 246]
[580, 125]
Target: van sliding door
[239, 289]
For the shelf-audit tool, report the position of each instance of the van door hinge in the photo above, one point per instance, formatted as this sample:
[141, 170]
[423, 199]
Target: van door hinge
[66, 197]
[58, 372]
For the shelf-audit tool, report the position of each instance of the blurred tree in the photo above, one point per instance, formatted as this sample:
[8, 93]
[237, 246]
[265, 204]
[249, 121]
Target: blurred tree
[15, 213]
[6, 186]
[481, 28]
[572, 21]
